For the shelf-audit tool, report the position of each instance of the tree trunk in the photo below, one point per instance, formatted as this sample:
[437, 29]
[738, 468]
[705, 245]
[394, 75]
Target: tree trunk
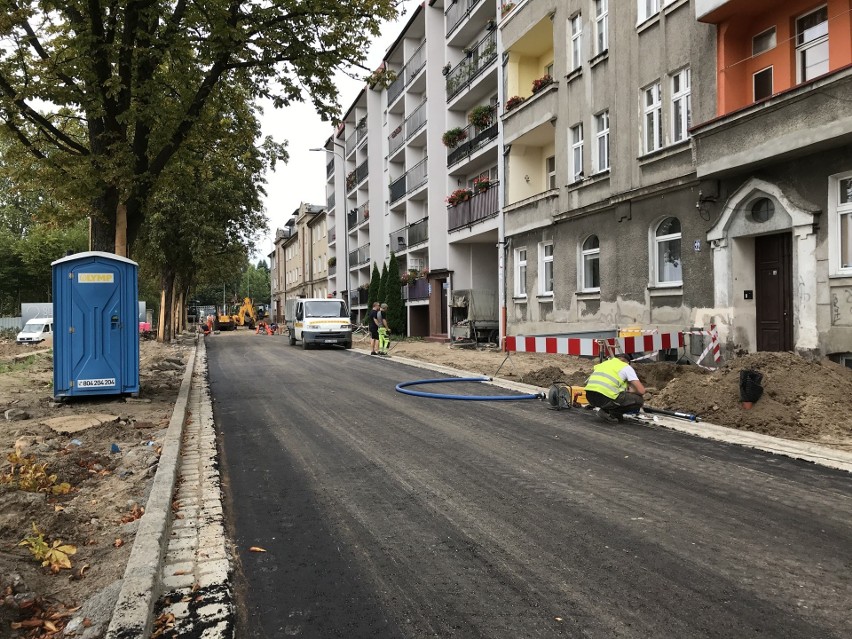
[164, 331]
[102, 223]
[121, 229]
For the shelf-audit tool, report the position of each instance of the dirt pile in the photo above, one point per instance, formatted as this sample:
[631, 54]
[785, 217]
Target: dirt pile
[106, 450]
[802, 400]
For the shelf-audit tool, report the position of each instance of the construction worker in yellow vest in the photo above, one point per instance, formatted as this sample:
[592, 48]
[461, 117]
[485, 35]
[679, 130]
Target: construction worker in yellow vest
[614, 388]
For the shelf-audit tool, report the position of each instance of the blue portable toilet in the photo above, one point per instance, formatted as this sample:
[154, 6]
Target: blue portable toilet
[96, 340]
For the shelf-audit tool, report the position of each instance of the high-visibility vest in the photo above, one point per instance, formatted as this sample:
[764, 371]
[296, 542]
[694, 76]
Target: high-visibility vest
[605, 379]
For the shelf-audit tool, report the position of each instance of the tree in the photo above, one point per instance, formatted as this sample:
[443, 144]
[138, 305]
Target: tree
[102, 97]
[396, 305]
[375, 283]
[383, 284]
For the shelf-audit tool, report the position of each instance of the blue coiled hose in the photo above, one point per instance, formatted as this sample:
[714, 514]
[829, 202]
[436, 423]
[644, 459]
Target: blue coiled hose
[402, 388]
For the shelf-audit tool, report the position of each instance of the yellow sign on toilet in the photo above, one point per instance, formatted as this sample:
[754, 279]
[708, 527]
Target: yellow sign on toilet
[95, 278]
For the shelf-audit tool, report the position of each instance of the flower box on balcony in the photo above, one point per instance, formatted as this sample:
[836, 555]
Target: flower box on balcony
[452, 137]
[514, 101]
[542, 82]
[458, 196]
[481, 184]
[481, 116]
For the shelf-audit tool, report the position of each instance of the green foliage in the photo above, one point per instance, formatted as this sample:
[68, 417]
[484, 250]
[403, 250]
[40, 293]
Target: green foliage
[51, 554]
[375, 283]
[104, 101]
[396, 307]
[383, 284]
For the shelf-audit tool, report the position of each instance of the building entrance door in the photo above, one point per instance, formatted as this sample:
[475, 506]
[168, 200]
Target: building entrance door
[773, 267]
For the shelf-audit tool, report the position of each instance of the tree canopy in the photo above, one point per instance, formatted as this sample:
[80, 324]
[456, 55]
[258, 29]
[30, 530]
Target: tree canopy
[102, 97]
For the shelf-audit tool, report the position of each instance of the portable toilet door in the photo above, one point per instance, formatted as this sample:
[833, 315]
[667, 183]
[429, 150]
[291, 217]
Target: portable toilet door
[96, 339]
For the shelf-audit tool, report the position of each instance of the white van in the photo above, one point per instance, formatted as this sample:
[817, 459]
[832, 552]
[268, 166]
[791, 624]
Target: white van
[318, 320]
[36, 330]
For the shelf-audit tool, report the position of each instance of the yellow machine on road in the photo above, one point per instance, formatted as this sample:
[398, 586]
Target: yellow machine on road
[246, 315]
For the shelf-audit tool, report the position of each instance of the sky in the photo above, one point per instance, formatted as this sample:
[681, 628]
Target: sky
[303, 178]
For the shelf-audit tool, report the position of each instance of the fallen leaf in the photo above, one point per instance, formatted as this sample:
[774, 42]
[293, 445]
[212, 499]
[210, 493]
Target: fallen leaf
[51, 626]
[257, 549]
[181, 572]
[87, 623]
[58, 509]
[118, 543]
[559, 619]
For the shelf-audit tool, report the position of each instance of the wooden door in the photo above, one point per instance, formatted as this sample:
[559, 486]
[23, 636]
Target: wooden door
[773, 267]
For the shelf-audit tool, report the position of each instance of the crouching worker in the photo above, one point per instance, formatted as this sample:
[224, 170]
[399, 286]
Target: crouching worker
[614, 388]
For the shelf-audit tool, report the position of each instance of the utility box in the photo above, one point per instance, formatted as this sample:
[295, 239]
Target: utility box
[95, 313]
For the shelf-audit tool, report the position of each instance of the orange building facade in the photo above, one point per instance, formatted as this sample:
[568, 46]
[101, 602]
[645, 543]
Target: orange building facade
[766, 47]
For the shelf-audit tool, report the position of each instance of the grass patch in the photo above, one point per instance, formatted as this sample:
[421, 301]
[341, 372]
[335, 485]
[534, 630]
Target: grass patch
[17, 366]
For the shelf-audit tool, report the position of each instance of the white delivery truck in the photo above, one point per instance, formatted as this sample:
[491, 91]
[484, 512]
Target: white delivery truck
[36, 330]
[318, 320]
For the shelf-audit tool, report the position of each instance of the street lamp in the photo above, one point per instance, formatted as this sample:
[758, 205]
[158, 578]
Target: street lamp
[345, 224]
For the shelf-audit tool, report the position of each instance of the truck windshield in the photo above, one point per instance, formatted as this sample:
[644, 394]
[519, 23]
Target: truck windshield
[330, 308]
[32, 328]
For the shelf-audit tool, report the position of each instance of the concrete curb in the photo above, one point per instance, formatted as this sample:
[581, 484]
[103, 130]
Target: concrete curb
[814, 453]
[131, 616]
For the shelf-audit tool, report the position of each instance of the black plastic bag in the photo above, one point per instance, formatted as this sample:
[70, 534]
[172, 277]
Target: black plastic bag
[750, 388]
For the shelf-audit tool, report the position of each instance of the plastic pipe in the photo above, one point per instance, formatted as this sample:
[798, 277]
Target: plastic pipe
[402, 388]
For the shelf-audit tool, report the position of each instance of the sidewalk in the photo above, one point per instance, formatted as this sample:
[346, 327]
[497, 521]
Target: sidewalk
[177, 580]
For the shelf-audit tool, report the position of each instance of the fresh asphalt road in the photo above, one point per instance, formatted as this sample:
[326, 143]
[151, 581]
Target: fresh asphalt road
[386, 515]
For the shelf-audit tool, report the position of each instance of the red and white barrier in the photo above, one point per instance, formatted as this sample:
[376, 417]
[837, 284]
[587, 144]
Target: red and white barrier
[590, 347]
[713, 347]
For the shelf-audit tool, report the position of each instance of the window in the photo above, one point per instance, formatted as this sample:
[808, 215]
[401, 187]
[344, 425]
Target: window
[812, 44]
[521, 272]
[601, 26]
[576, 152]
[762, 81]
[545, 268]
[653, 108]
[667, 248]
[548, 70]
[590, 270]
[576, 41]
[840, 224]
[648, 8]
[550, 166]
[681, 105]
[763, 42]
[602, 142]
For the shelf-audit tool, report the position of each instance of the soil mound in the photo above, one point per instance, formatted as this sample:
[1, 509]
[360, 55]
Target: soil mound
[802, 399]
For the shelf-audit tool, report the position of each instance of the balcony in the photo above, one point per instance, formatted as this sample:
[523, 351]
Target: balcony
[795, 123]
[475, 139]
[537, 110]
[457, 12]
[412, 124]
[417, 290]
[408, 236]
[415, 63]
[411, 179]
[359, 256]
[361, 130]
[329, 203]
[480, 206]
[332, 270]
[478, 59]
[356, 216]
[714, 11]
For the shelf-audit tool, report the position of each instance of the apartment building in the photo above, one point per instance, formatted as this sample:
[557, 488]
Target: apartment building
[778, 152]
[599, 164]
[299, 262]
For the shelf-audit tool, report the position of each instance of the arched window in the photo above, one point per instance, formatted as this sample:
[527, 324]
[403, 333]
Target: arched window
[590, 267]
[669, 267]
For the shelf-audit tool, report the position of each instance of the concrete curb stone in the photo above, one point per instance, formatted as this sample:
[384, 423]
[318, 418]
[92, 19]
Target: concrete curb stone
[132, 614]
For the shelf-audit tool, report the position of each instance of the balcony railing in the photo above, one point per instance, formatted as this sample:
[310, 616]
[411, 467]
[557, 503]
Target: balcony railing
[359, 256]
[361, 130]
[409, 127]
[349, 144]
[332, 236]
[329, 203]
[407, 73]
[417, 290]
[408, 236]
[361, 172]
[475, 140]
[479, 207]
[482, 55]
[332, 270]
[410, 180]
[329, 168]
[457, 12]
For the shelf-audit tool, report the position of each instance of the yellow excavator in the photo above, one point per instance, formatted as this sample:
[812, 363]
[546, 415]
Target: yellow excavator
[246, 315]
[223, 321]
